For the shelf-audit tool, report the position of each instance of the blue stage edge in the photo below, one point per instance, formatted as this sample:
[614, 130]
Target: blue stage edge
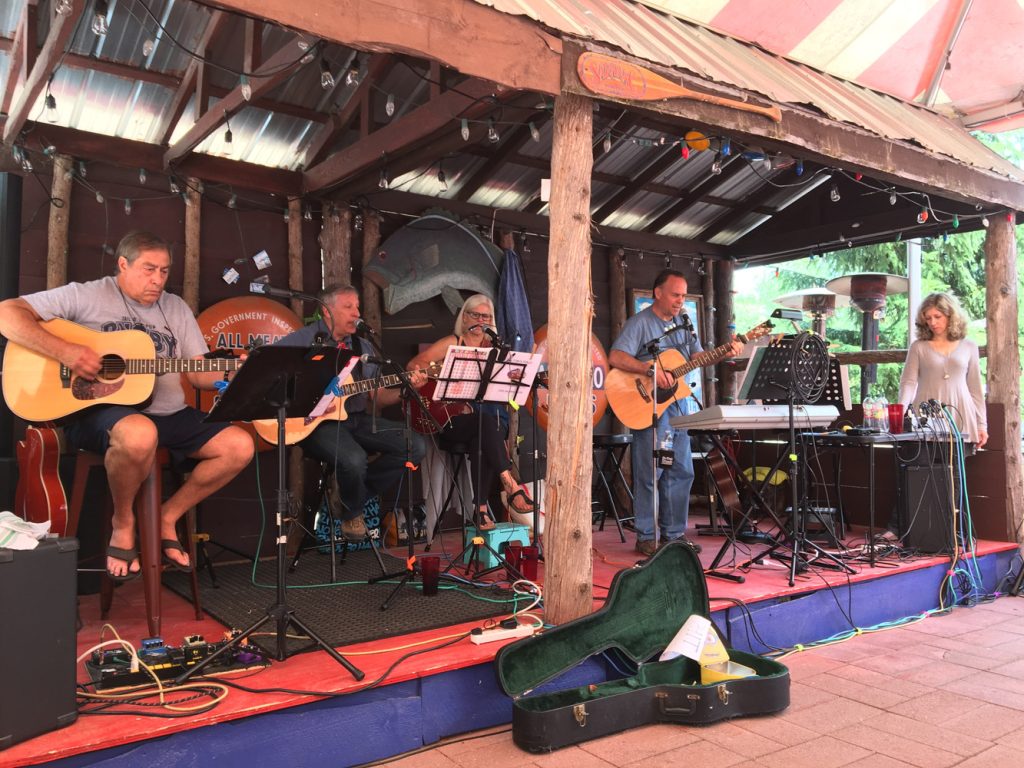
[389, 721]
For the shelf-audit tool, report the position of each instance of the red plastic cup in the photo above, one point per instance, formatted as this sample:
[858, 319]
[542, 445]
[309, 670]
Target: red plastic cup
[528, 563]
[896, 418]
[513, 556]
[430, 568]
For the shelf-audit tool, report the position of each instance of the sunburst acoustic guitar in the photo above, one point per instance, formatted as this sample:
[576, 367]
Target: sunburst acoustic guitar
[630, 394]
[39, 388]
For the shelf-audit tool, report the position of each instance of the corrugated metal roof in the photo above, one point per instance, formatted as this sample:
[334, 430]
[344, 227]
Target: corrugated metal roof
[670, 41]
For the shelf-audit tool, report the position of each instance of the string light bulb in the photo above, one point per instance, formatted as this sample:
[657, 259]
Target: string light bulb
[326, 78]
[726, 149]
[384, 182]
[607, 144]
[63, 7]
[922, 216]
[127, 206]
[357, 220]
[99, 197]
[464, 129]
[892, 196]
[352, 76]
[307, 212]
[984, 221]
[99, 18]
[142, 175]
[246, 87]
[799, 170]
[716, 165]
[956, 221]
[389, 105]
[229, 137]
[535, 133]
[81, 169]
[442, 180]
[233, 201]
[833, 194]
[684, 151]
[173, 184]
[492, 133]
[148, 46]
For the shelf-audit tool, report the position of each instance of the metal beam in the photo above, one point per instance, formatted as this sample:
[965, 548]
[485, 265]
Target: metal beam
[730, 168]
[658, 166]
[62, 27]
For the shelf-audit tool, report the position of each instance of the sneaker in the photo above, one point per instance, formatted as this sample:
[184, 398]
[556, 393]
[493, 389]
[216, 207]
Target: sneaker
[683, 540]
[354, 529]
[647, 548]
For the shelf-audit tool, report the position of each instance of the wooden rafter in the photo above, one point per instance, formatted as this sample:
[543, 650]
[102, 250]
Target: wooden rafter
[469, 99]
[272, 73]
[730, 168]
[654, 169]
[505, 49]
[214, 28]
[752, 204]
[513, 143]
[377, 67]
[125, 153]
[62, 26]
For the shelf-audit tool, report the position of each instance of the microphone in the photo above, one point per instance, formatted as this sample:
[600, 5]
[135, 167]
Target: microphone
[364, 329]
[371, 359]
[280, 293]
[687, 325]
[493, 334]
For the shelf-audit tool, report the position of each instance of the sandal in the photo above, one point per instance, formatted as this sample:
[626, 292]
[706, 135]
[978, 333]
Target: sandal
[128, 556]
[528, 505]
[174, 544]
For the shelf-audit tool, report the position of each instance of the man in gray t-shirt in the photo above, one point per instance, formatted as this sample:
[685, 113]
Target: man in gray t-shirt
[127, 436]
[662, 324]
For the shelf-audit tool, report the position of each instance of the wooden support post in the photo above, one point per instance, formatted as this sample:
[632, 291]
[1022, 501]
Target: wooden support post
[336, 245]
[707, 288]
[193, 228]
[370, 306]
[295, 252]
[1002, 301]
[60, 218]
[723, 320]
[568, 535]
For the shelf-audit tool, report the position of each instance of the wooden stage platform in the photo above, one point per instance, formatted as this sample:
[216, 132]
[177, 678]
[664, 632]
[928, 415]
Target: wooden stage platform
[454, 689]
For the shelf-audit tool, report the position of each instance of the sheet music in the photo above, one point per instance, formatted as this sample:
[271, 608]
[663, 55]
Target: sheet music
[510, 379]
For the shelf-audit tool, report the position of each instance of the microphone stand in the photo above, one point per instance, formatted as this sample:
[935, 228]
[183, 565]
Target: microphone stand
[653, 348]
[409, 572]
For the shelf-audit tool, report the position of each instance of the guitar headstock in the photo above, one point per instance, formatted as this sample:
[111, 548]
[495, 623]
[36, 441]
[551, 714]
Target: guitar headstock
[762, 329]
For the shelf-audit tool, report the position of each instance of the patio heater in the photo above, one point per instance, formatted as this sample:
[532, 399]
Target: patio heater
[819, 302]
[867, 292]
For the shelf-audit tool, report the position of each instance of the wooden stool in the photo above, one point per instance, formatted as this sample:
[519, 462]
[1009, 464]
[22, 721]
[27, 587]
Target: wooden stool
[147, 516]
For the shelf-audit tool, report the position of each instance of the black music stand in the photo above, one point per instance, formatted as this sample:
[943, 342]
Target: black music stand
[779, 373]
[278, 382]
[485, 375]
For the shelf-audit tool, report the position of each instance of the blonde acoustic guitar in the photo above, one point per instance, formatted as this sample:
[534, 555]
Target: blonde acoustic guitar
[40, 388]
[630, 394]
[299, 428]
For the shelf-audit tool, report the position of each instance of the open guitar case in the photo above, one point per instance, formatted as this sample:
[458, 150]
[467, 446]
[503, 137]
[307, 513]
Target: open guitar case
[645, 608]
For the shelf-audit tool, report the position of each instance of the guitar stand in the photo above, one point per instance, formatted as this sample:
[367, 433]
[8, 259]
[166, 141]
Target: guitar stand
[736, 527]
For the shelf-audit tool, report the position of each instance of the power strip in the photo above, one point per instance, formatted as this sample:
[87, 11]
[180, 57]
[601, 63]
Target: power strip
[499, 633]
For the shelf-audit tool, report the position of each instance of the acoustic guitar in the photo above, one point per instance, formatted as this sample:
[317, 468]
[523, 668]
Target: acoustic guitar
[41, 388]
[300, 427]
[39, 496]
[630, 394]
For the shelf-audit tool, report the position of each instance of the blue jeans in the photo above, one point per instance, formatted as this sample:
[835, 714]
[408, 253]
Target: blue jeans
[347, 444]
[673, 484]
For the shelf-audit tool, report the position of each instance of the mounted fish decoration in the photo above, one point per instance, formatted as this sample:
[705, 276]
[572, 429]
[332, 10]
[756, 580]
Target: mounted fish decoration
[434, 254]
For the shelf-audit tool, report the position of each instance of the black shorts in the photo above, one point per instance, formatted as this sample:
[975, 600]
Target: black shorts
[181, 433]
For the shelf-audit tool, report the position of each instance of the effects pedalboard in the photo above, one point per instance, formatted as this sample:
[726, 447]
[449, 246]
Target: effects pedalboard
[112, 668]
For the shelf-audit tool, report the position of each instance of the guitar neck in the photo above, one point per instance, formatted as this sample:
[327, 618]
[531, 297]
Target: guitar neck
[359, 387]
[704, 358]
[161, 365]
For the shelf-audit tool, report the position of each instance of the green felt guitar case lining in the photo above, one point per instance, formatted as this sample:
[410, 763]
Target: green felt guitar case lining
[646, 606]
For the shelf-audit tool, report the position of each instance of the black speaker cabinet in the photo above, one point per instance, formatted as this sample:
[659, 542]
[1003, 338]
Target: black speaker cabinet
[37, 639]
[926, 509]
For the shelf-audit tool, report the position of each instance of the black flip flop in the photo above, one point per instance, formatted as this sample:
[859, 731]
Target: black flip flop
[127, 555]
[531, 505]
[166, 544]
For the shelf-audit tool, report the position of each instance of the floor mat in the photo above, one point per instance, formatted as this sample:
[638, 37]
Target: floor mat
[343, 613]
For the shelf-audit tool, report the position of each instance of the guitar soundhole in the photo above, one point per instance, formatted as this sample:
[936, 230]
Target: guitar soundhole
[111, 367]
